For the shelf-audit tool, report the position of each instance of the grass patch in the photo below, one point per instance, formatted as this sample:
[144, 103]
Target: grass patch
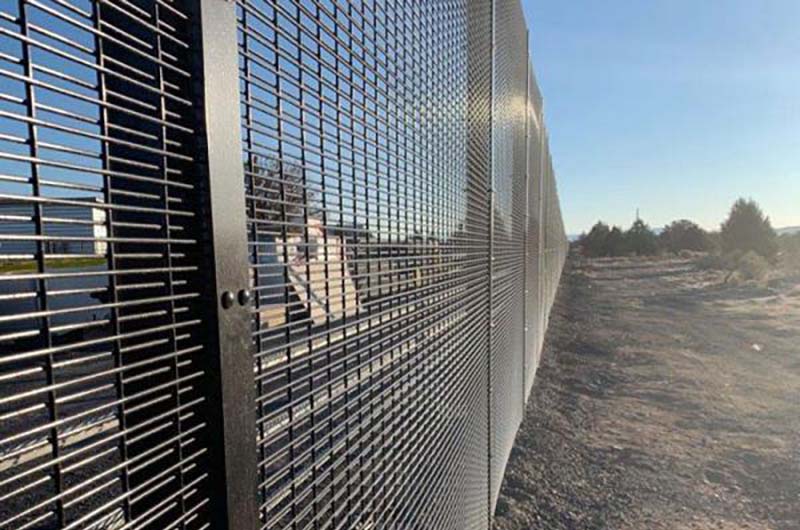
[13, 266]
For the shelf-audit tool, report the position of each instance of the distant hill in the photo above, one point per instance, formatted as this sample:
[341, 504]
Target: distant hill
[788, 230]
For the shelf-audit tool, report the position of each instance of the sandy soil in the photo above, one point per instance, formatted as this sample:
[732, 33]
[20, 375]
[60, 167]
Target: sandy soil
[666, 400]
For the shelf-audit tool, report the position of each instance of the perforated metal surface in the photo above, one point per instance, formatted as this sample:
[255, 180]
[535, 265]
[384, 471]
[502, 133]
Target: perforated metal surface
[99, 327]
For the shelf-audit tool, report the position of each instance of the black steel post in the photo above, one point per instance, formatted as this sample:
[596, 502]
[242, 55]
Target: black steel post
[232, 419]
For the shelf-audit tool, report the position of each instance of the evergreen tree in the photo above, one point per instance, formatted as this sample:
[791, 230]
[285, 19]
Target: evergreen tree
[594, 243]
[615, 242]
[748, 229]
[641, 240]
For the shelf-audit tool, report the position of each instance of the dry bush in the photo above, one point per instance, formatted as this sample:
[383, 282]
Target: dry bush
[740, 266]
[752, 267]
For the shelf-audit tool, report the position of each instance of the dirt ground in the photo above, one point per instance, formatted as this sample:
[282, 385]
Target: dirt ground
[666, 400]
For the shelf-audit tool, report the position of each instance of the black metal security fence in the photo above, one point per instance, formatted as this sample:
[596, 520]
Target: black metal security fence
[279, 264]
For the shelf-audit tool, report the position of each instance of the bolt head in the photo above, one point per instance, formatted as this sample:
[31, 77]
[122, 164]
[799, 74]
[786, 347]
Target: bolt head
[227, 299]
[244, 297]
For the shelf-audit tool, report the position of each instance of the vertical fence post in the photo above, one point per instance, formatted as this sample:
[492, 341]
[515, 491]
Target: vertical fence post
[231, 411]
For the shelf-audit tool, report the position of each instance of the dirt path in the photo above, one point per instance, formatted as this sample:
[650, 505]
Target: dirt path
[665, 401]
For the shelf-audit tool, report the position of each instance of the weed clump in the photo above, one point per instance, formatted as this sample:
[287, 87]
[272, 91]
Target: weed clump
[751, 266]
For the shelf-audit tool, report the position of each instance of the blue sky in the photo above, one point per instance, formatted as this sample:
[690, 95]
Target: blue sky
[676, 107]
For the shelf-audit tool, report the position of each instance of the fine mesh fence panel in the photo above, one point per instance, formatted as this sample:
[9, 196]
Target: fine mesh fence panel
[476, 500]
[351, 345]
[547, 214]
[368, 238]
[508, 233]
[99, 321]
[555, 241]
[533, 268]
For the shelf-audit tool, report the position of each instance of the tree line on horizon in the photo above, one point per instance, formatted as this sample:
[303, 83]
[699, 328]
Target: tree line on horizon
[747, 231]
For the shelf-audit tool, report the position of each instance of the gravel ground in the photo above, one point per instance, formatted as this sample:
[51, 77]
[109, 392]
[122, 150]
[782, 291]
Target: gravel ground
[665, 400]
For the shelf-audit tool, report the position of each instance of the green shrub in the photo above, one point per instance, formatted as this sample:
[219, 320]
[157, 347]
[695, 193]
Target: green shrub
[712, 262]
[603, 241]
[684, 235]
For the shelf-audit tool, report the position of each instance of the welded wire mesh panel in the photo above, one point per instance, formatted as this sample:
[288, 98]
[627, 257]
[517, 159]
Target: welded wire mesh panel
[99, 329]
[401, 205]
[555, 243]
[509, 233]
[368, 225]
[547, 233]
[474, 505]
[556, 232]
[533, 269]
